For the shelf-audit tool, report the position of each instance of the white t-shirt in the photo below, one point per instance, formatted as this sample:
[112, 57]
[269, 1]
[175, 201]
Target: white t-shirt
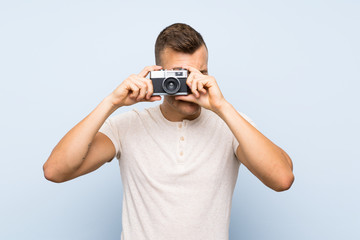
[178, 177]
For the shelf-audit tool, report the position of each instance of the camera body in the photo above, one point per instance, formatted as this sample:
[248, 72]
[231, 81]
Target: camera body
[170, 82]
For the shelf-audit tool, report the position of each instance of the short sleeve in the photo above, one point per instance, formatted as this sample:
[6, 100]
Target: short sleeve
[114, 128]
[235, 141]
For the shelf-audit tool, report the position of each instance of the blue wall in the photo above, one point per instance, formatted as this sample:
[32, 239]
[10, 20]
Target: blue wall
[291, 66]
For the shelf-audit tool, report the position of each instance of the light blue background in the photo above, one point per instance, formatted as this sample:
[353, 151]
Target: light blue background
[291, 66]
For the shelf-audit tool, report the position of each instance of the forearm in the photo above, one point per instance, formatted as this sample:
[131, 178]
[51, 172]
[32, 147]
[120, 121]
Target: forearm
[70, 152]
[262, 157]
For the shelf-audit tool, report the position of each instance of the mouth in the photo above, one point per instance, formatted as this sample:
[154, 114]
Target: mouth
[186, 102]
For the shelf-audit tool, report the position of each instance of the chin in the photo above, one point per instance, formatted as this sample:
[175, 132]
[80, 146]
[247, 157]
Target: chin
[187, 108]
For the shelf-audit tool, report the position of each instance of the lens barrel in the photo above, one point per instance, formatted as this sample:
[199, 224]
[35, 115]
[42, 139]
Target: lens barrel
[171, 85]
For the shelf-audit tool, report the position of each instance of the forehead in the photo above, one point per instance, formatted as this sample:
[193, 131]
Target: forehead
[173, 59]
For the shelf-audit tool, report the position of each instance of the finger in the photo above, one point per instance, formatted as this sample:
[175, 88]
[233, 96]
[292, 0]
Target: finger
[190, 79]
[154, 98]
[200, 87]
[193, 76]
[147, 69]
[194, 88]
[134, 90]
[191, 69]
[128, 82]
[150, 88]
[142, 88]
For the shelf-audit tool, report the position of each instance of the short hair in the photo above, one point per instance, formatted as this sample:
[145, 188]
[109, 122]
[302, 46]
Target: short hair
[179, 37]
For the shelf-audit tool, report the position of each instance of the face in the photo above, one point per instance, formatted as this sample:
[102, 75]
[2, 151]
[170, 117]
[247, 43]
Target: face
[177, 109]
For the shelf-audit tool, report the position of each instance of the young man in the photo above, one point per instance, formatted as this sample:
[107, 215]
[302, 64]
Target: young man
[179, 160]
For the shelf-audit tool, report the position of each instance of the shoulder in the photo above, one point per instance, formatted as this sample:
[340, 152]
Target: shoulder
[134, 114]
[210, 116]
[134, 117]
[122, 118]
[211, 119]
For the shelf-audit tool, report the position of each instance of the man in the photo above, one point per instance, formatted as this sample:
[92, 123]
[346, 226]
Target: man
[179, 160]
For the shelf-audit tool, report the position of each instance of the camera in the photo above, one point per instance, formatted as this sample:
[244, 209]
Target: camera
[170, 82]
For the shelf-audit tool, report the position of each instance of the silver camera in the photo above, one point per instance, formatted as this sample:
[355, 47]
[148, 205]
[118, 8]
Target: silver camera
[170, 82]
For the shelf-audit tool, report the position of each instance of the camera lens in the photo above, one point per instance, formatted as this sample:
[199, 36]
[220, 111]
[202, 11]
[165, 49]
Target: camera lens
[171, 85]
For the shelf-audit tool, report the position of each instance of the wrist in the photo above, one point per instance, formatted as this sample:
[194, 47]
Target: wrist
[223, 108]
[109, 103]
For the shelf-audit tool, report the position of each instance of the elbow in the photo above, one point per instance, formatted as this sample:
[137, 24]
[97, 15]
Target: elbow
[285, 183]
[50, 174]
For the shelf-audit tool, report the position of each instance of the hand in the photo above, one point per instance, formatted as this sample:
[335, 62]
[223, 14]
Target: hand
[205, 90]
[134, 89]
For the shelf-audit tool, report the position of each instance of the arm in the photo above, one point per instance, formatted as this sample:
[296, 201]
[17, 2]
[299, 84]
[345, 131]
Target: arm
[83, 149]
[263, 158]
